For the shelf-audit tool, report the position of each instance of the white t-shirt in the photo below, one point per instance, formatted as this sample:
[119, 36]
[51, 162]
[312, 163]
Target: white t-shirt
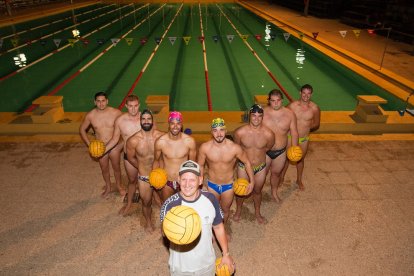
[200, 253]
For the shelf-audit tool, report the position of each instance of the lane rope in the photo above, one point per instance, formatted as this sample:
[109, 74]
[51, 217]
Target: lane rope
[74, 75]
[209, 103]
[137, 79]
[257, 57]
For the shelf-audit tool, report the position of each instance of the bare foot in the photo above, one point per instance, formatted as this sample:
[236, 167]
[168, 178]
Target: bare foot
[301, 186]
[149, 228]
[105, 193]
[122, 191]
[125, 210]
[276, 196]
[236, 217]
[121, 211]
[261, 219]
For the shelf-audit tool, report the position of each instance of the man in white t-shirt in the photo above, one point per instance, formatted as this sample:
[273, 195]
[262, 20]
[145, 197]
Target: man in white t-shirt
[197, 258]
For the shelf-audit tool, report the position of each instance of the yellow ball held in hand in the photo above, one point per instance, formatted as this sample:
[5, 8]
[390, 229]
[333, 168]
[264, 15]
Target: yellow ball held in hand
[182, 225]
[240, 186]
[158, 178]
[224, 270]
[294, 153]
[96, 148]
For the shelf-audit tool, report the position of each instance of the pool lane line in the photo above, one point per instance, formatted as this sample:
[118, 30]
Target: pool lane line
[74, 75]
[257, 57]
[59, 31]
[209, 103]
[53, 22]
[61, 85]
[65, 46]
[137, 79]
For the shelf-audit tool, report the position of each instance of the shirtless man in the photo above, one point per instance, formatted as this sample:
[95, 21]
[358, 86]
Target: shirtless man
[140, 152]
[125, 126]
[173, 148]
[220, 154]
[281, 121]
[102, 118]
[308, 117]
[255, 139]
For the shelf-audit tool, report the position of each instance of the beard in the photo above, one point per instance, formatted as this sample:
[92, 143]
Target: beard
[220, 139]
[146, 127]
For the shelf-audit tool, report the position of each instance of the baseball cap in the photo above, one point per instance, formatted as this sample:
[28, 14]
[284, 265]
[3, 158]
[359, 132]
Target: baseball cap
[189, 166]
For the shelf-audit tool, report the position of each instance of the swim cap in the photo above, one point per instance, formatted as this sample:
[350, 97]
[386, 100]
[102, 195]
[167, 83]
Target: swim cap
[256, 108]
[175, 115]
[218, 122]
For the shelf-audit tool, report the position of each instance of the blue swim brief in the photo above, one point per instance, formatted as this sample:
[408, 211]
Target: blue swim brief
[220, 188]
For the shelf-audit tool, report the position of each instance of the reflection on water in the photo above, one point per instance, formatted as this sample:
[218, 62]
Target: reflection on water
[20, 60]
[300, 58]
[300, 61]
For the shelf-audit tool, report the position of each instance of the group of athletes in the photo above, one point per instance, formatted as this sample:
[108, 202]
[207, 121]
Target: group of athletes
[251, 152]
[255, 148]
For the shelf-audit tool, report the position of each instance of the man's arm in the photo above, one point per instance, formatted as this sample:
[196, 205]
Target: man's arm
[157, 153]
[201, 160]
[236, 136]
[82, 129]
[270, 141]
[130, 148]
[242, 156]
[316, 118]
[193, 149]
[115, 136]
[222, 240]
[294, 130]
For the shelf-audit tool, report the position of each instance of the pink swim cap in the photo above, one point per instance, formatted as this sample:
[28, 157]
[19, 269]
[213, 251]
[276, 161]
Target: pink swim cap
[175, 115]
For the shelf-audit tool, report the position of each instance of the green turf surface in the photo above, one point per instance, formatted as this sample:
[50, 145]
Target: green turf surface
[177, 70]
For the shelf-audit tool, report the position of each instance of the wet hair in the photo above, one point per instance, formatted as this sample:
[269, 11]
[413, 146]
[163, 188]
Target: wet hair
[307, 86]
[275, 92]
[101, 93]
[131, 98]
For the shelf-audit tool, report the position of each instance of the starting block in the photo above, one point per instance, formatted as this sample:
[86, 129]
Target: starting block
[368, 109]
[49, 110]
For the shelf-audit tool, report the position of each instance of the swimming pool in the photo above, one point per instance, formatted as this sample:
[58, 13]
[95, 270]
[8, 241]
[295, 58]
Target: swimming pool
[226, 79]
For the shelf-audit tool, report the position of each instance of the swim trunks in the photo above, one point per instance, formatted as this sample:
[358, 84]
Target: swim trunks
[173, 185]
[220, 188]
[144, 178]
[256, 169]
[301, 139]
[273, 154]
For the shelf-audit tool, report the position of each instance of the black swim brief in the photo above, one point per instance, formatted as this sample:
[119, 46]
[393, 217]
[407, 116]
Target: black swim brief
[273, 154]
